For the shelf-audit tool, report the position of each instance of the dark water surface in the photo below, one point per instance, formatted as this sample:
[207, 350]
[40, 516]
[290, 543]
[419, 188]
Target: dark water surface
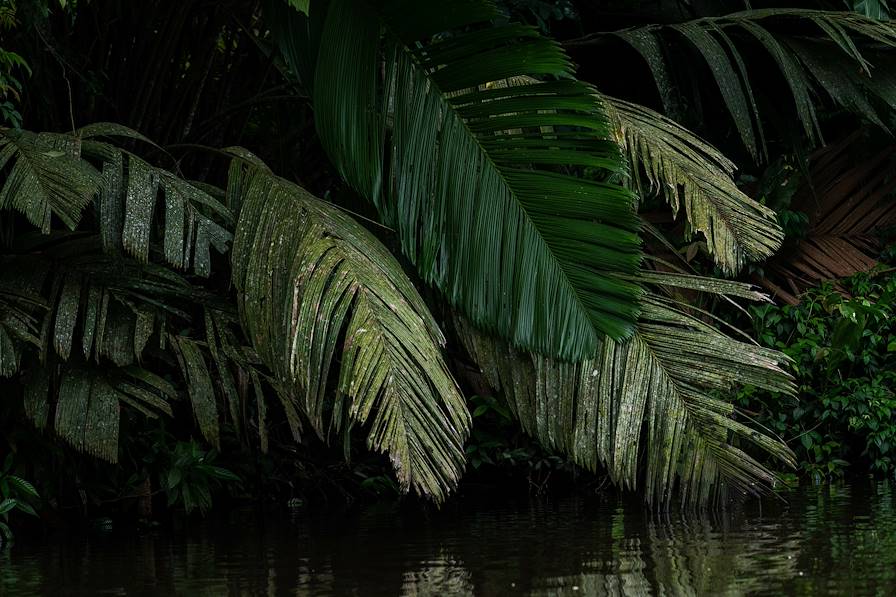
[825, 540]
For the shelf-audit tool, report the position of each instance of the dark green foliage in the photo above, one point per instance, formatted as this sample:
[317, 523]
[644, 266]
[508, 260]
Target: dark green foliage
[46, 178]
[644, 409]
[115, 323]
[498, 447]
[192, 477]
[695, 179]
[315, 291]
[16, 494]
[815, 58]
[844, 350]
[256, 316]
[12, 69]
[466, 146]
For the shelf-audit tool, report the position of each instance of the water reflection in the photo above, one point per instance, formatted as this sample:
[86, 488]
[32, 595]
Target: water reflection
[830, 540]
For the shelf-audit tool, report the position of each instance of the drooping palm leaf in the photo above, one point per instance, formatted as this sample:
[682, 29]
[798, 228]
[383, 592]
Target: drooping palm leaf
[647, 409]
[315, 289]
[87, 406]
[694, 176]
[103, 313]
[21, 306]
[140, 205]
[96, 308]
[107, 317]
[113, 305]
[478, 183]
[845, 56]
[87, 414]
[44, 176]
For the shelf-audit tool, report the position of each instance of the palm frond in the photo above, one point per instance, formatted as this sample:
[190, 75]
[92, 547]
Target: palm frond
[103, 312]
[87, 414]
[100, 324]
[314, 289]
[114, 305]
[20, 308]
[694, 176]
[481, 183]
[844, 56]
[9, 356]
[95, 308]
[87, 407]
[200, 387]
[648, 409]
[140, 205]
[45, 177]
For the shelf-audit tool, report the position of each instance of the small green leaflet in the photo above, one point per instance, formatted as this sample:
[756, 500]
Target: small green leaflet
[300, 5]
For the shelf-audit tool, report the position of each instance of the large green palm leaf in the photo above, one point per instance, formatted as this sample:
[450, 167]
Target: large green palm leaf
[479, 178]
[315, 289]
[650, 410]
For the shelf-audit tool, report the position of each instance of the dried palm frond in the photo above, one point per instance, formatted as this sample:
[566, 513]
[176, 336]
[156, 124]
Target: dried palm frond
[849, 200]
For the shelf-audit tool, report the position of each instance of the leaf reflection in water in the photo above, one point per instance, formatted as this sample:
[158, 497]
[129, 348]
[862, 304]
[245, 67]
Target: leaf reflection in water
[830, 540]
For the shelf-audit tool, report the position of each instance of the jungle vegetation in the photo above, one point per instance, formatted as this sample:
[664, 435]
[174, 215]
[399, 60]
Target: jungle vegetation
[291, 227]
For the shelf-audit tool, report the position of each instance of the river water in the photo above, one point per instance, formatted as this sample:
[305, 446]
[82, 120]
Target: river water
[838, 539]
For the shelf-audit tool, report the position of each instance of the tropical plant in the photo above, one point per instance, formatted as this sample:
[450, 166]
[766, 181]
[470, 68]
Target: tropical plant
[841, 56]
[541, 275]
[192, 476]
[11, 65]
[115, 297]
[498, 107]
[511, 188]
[308, 279]
[844, 350]
[16, 494]
[664, 378]
[696, 178]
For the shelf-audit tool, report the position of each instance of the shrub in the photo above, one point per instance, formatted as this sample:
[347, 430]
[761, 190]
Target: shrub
[842, 339]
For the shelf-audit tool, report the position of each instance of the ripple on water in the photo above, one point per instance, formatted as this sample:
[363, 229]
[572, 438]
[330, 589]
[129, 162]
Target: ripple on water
[823, 540]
